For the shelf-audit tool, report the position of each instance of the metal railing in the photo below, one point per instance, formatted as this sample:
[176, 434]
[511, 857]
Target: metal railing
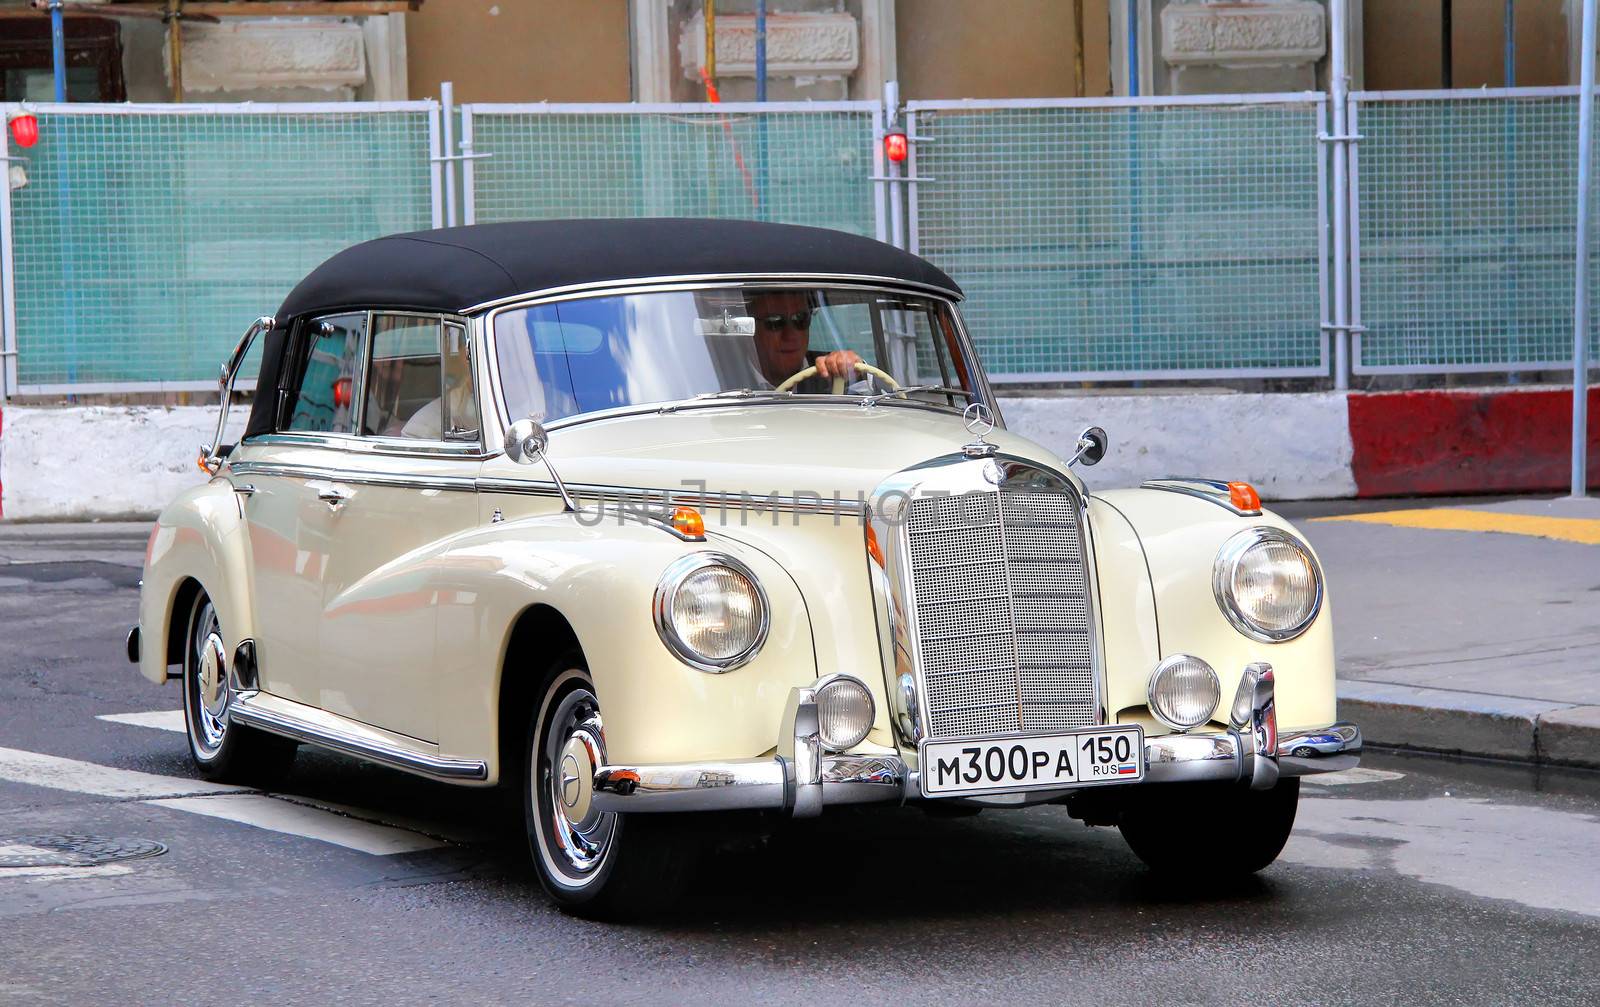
[1148, 239]
[1463, 220]
[145, 233]
[1129, 238]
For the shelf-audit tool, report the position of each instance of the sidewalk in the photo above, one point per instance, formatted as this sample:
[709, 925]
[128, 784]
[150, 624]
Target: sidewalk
[1469, 628]
[1482, 642]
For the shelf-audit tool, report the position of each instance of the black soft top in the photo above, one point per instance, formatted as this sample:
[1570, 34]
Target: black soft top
[456, 268]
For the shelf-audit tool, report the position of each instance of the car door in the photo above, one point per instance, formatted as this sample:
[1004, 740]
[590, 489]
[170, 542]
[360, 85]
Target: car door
[409, 485]
[286, 491]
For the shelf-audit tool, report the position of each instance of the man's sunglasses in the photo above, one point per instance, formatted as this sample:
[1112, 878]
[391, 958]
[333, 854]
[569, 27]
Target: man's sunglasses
[777, 323]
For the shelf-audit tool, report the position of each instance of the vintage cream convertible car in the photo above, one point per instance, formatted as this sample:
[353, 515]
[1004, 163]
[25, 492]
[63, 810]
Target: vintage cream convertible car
[650, 517]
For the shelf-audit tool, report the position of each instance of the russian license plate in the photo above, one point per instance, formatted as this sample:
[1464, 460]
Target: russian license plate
[1004, 765]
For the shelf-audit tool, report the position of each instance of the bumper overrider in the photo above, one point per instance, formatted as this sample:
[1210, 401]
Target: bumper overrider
[801, 778]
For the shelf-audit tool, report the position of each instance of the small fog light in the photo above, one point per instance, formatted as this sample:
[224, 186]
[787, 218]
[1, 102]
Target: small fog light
[1184, 692]
[844, 712]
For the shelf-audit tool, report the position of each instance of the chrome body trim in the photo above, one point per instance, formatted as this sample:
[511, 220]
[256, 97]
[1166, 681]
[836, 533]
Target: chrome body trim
[433, 766]
[703, 500]
[1227, 561]
[210, 456]
[642, 284]
[672, 578]
[353, 477]
[773, 783]
[1210, 490]
[400, 447]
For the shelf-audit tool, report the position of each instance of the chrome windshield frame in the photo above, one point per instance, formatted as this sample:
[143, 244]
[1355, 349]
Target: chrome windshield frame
[493, 310]
[211, 454]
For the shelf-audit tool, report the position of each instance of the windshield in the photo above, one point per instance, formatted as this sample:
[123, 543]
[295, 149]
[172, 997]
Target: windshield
[578, 356]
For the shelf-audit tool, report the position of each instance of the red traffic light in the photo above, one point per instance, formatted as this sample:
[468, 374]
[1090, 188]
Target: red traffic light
[896, 146]
[25, 127]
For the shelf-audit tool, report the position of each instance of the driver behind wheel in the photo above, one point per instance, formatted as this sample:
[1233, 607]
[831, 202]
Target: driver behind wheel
[783, 337]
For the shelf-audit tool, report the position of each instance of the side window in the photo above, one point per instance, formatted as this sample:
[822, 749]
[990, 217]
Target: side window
[460, 401]
[404, 381]
[419, 384]
[325, 398]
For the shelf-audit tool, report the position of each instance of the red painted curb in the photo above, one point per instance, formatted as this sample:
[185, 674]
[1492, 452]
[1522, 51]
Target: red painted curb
[1468, 441]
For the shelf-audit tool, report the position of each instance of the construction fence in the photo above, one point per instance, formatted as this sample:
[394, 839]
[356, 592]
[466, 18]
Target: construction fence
[1116, 239]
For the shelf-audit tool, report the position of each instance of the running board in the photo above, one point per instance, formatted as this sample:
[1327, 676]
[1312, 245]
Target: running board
[432, 766]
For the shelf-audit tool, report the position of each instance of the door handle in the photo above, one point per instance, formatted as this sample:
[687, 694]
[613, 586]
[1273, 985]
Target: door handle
[334, 496]
[245, 489]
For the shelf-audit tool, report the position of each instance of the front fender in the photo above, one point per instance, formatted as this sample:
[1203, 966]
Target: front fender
[200, 536]
[1180, 537]
[602, 580]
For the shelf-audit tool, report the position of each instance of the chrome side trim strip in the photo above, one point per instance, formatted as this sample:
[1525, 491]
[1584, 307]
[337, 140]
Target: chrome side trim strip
[1210, 490]
[402, 447]
[466, 484]
[721, 501]
[433, 766]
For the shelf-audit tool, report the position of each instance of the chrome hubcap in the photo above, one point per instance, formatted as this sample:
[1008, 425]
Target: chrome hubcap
[577, 837]
[208, 671]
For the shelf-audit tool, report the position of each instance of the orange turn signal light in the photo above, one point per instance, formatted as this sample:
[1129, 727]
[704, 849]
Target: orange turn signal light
[1244, 496]
[686, 521]
[873, 548]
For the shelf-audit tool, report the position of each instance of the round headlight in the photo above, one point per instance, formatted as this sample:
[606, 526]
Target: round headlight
[711, 612]
[844, 712]
[1184, 692]
[1267, 584]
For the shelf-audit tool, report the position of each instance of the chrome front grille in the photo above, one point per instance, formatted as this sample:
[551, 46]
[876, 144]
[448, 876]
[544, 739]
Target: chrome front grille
[1002, 612]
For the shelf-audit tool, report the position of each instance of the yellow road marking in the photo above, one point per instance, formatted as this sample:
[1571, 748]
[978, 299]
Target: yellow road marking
[1567, 529]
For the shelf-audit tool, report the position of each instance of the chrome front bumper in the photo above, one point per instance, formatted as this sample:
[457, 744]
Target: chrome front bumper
[801, 779]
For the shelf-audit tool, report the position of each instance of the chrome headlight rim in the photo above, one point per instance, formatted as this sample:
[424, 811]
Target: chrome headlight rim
[1228, 558]
[672, 578]
[1155, 707]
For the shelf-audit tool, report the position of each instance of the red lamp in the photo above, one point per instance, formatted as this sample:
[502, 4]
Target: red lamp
[896, 146]
[25, 127]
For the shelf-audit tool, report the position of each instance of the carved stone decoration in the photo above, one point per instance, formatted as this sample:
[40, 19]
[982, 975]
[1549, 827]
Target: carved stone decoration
[267, 54]
[797, 45]
[1269, 32]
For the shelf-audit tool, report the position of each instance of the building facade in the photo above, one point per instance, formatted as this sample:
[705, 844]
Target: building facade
[656, 50]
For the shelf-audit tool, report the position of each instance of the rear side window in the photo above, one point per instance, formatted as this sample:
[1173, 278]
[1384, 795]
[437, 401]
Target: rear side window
[419, 385]
[324, 401]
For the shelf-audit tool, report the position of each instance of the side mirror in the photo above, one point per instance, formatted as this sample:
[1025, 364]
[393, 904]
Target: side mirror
[526, 441]
[1092, 445]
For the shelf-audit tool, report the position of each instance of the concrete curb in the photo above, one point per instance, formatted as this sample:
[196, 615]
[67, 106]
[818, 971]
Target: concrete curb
[1470, 723]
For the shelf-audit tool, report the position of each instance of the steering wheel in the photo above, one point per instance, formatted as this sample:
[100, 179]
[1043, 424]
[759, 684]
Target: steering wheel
[838, 379]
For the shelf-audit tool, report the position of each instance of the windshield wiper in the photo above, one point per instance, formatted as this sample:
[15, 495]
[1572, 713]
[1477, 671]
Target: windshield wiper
[877, 397]
[731, 393]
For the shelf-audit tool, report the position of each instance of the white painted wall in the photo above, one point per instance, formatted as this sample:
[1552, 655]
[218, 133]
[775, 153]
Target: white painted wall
[80, 462]
[102, 461]
[1289, 446]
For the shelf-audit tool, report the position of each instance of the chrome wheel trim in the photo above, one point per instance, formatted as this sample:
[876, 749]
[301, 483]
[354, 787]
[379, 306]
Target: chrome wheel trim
[574, 840]
[206, 689]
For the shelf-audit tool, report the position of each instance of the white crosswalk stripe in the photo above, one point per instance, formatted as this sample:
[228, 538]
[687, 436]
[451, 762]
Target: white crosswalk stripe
[161, 720]
[276, 815]
[213, 800]
[102, 781]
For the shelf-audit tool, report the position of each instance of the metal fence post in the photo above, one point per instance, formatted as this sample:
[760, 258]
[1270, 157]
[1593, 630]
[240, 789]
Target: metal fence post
[1580, 299]
[8, 272]
[1339, 90]
[447, 99]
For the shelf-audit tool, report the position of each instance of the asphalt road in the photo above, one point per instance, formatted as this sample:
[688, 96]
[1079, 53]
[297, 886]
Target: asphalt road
[1412, 879]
